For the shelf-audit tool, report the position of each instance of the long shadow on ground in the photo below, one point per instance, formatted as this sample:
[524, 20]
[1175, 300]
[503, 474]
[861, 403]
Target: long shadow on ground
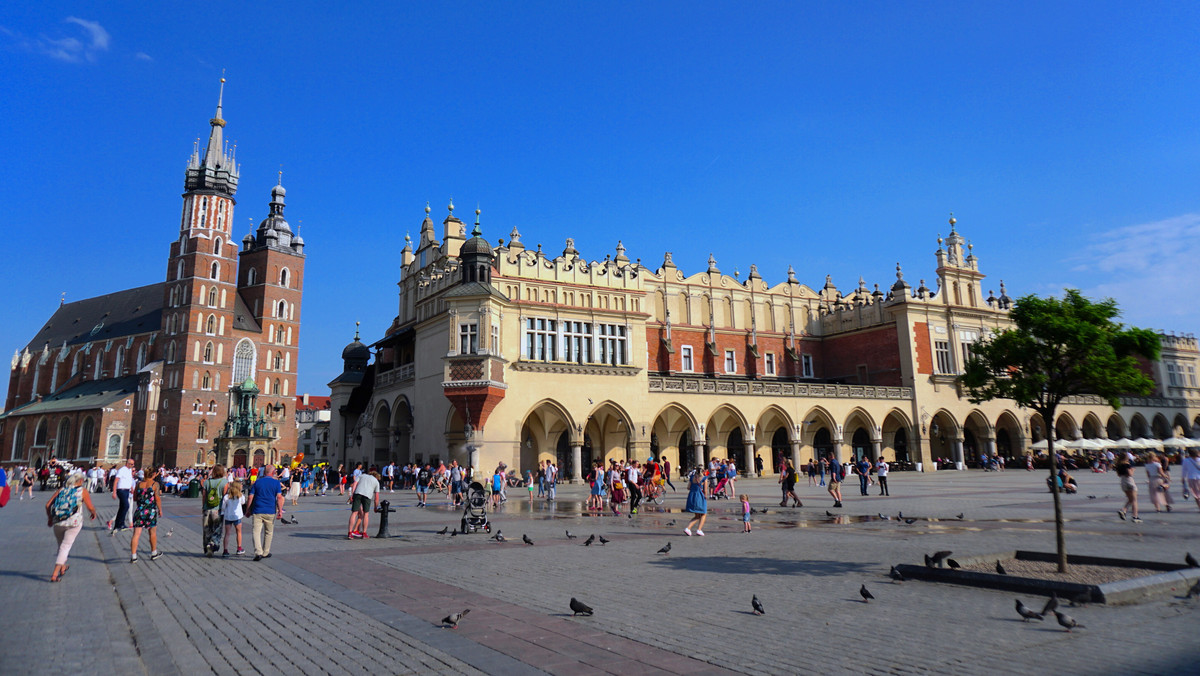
[750, 565]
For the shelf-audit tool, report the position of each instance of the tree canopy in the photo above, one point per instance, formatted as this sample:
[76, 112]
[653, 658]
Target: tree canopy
[1058, 348]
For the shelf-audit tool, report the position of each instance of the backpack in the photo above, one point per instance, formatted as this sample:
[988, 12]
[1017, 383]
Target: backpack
[65, 505]
[212, 496]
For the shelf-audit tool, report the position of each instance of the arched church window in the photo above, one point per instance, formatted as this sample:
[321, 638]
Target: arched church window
[282, 309]
[283, 277]
[210, 326]
[278, 361]
[212, 406]
[243, 361]
[202, 430]
[217, 246]
[251, 277]
[206, 382]
[179, 270]
[77, 363]
[216, 271]
[275, 387]
[141, 357]
[212, 297]
[208, 352]
[119, 365]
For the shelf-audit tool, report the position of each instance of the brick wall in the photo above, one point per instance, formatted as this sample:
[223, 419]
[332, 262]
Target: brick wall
[877, 348]
[924, 348]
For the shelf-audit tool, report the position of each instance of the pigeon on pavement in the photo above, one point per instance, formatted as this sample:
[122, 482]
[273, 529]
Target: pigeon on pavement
[172, 532]
[525, 539]
[672, 522]
[571, 537]
[757, 605]
[1191, 560]
[588, 542]
[928, 561]
[1067, 622]
[866, 595]
[444, 530]
[910, 521]
[603, 541]
[1051, 604]
[1000, 569]
[454, 533]
[579, 608]
[938, 557]
[828, 513]
[453, 618]
[666, 549]
[960, 516]
[499, 536]
[1026, 613]
[953, 564]
[895, 575]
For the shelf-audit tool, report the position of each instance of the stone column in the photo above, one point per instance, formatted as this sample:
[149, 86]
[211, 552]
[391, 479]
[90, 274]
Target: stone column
[991, 447]
[876, 449]
[576, 461]
[796, 454]
[958, 455]
[748, 450]
[698, 454]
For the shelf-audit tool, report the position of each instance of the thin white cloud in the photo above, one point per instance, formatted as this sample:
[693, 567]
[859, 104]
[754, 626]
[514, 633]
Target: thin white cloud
[1151, 269]
[143, 56]
[100, 36]
[65, 48]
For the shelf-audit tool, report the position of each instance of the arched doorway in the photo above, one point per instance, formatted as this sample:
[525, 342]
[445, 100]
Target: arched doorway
[259, 458]
[780, 448]
[860, 444]
[735, 447]
[239, 457]
[971, 449]
[823, 445]
[1004, 443]
[900, 444]
[564, 459]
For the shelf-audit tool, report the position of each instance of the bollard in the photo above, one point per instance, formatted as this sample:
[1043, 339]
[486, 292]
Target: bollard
[384, 508]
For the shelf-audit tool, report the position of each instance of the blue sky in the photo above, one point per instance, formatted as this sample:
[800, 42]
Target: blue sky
[835, 137]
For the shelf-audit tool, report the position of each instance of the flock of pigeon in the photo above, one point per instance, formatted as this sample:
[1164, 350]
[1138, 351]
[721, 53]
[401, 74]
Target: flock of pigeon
[935, 560]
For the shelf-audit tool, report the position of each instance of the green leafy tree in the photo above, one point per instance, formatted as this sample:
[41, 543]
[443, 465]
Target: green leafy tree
[1058, 348]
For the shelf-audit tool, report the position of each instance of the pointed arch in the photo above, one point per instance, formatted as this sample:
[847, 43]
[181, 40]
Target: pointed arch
[1066, 427]
[1115, 427]
[215, 270]
[1138, 427]
[859, 417]
[1160, 427]
[1091, 426]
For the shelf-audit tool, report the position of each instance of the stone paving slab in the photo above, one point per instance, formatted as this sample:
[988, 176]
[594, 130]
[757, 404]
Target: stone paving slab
[687, 612]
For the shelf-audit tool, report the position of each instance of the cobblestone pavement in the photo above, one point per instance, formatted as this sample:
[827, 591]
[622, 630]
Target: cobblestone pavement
[323, 604]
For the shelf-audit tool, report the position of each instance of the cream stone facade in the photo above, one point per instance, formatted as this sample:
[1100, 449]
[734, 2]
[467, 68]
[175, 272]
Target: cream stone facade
[512, 355]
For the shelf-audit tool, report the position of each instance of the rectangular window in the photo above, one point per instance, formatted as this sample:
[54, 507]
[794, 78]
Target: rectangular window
[966, 341]
[685, 356]
[541, 339]
[468, 338]
[612, 344]
[864, 375]
[807, 363]
[941, 349]
[494, 346]
[1171, 375]
[730, 361]
[577, 342]
[769, 362]
[1191, 375]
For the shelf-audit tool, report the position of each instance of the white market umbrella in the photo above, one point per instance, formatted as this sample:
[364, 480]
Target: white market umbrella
[1151, 444]
[1041, 445]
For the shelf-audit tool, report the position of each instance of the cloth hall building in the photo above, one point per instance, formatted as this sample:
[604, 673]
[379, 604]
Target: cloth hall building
[512, 355]
[146, 372]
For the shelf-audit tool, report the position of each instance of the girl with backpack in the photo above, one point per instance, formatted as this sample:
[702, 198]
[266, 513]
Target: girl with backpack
[63, 514]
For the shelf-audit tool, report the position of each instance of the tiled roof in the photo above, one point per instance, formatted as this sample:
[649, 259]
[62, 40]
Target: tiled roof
[115, 315]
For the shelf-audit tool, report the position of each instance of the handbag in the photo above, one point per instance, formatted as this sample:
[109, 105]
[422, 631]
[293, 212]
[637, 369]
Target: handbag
[6, 493]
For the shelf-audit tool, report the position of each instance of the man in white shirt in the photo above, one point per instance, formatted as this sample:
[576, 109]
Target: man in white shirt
[881, 472]
[122, 486]
[364, 491]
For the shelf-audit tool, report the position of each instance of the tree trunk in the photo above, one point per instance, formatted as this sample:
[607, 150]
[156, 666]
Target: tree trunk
[1059, 536]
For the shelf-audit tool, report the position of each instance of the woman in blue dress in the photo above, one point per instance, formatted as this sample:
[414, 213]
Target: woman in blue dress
[697, 503]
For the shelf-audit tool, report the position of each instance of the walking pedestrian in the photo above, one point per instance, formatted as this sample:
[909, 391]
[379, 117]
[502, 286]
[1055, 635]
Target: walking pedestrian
[635, 493]
[551, 480]
[210, 513]
[697, 503]
[836, 475]
[812, 472]
[122, 487]
[364, 491]
[666, 474]
[745, 513]
[1129, 486]
[424, 478]
[787, 480]
[232, 512]
[824, 466]
[265, 504]
[1160, 483]
[147, 505]
[27, 478]
[1191, 475]
[881, 472]
[63, 514]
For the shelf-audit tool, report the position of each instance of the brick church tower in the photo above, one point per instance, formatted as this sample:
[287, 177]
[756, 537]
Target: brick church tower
[229, 314]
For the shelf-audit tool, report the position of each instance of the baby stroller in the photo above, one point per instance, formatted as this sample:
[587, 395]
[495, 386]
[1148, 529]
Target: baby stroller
[718, 491]
[475, 510]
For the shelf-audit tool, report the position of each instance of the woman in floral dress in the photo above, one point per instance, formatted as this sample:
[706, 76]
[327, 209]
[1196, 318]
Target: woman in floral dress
[147, 505]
